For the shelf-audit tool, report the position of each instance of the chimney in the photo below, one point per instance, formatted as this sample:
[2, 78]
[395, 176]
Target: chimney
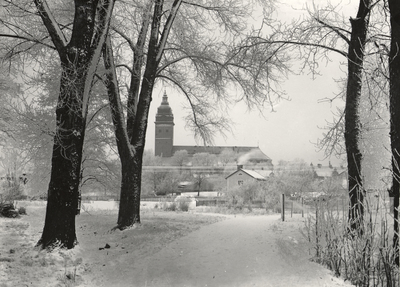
[239, 166]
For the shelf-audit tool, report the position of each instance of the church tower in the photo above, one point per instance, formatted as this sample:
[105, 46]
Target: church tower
[164, 138]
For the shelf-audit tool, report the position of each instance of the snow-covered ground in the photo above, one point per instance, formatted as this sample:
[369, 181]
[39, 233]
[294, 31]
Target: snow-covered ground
[167, 249]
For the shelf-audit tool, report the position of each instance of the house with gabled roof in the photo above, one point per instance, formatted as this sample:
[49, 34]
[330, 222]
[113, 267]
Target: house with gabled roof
[241, 176]
[329, 173]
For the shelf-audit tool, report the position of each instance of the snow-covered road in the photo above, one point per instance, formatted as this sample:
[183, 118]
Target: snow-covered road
[242, 250]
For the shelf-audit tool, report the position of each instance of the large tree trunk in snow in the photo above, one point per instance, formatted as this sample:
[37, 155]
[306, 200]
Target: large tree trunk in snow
[79, 58]
[129, 207]
[130, 151]
[131, 137]
[63, 192]
[129, 213]
[130, 156]
[138, 126]
[352, 114]
[394, 68]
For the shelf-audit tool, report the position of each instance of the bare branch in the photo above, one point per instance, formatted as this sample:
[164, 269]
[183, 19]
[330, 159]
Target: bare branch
[339, 31]
[56, 34]
[167, 28]
[125, 37]
[28, 40]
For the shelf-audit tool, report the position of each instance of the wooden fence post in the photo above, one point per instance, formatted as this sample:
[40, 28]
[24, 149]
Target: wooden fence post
[283, 207]
[302, 207]
[291, 209]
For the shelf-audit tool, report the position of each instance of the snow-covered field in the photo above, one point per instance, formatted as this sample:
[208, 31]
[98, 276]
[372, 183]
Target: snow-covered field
[167, 249]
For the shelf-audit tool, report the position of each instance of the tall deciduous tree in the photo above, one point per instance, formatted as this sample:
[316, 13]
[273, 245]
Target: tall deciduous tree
[131, 137]
[79, 56]
[394, 74]
[28, 119]
[204, 159]
[352, 130]
[180, 158]
[174, 43]
[77, 37]
[315, 38]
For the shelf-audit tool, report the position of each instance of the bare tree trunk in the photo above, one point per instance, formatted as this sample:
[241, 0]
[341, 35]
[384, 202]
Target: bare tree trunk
[131, 138]
[125, 150]
[131, 154]
[63, 192]
[79, 58]
[352, 115]
[394, 68]
[129, 212]
[129, 207]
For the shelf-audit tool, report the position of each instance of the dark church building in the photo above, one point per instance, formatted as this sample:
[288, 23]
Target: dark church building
[164, 141]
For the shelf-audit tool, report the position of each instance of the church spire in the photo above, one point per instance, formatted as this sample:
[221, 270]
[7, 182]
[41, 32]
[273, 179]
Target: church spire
[165, 99]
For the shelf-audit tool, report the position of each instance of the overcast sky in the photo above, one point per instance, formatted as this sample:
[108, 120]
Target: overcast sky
[286, 134]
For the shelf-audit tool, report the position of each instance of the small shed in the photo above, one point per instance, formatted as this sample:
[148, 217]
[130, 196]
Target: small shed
[240, 176]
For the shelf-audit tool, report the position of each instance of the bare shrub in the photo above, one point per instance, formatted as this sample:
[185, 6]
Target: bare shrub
[246, 195]
[183, 206]
[166, 206]
[364, 256]
[12, 190]
[8, 210]
[22, 210]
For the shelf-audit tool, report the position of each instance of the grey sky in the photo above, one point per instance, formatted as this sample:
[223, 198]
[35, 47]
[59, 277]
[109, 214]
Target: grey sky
[286, 134]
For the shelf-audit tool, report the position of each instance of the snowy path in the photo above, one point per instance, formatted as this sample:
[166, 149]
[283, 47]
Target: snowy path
[239, 251]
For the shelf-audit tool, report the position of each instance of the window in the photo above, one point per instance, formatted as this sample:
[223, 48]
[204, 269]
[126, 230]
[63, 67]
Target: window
[240, 182]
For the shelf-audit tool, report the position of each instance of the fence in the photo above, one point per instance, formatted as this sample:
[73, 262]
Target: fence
[365, 255]
[307, 206]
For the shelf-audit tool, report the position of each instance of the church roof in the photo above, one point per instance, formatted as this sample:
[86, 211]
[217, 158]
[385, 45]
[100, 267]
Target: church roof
[164, 111]
[250, 152]
[212, 149]
[244, 154]
[255, 154]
